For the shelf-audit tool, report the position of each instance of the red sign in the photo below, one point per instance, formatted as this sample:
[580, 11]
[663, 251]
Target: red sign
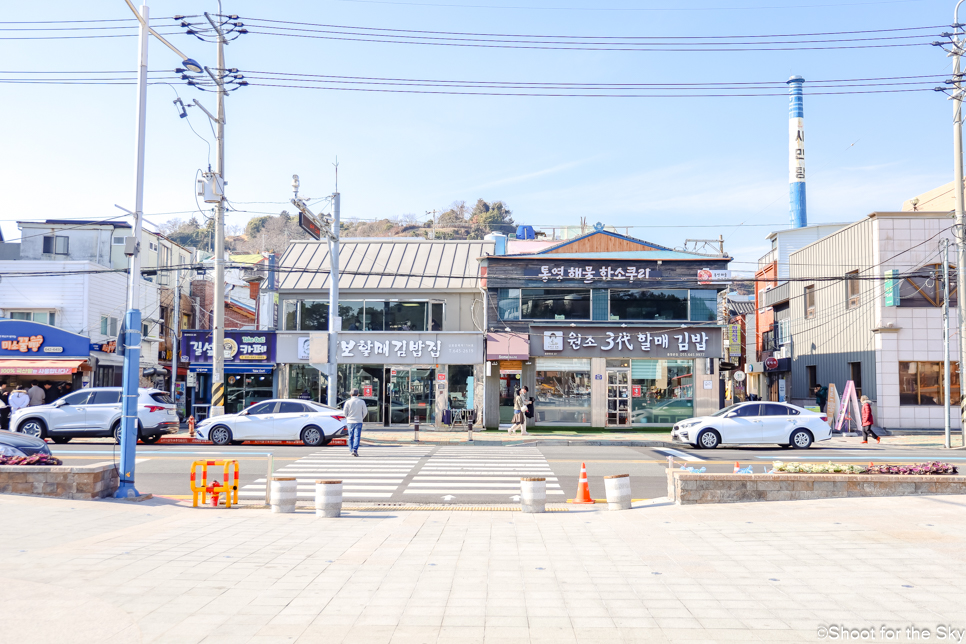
[367, 391]
[635, 391]
[771, 363]
[441, 377]
[392, 372]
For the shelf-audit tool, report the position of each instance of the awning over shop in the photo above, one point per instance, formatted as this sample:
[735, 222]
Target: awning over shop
[39, 367]
[507, 346]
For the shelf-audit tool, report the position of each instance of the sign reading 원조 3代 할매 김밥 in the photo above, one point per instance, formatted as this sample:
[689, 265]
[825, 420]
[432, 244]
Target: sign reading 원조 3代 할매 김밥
[626, 342]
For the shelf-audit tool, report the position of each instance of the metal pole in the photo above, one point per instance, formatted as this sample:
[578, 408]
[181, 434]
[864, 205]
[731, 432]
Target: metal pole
[958, 191]
[944, 243]
[132, 319]
[175, 329]
[335, 322]
[218, 304]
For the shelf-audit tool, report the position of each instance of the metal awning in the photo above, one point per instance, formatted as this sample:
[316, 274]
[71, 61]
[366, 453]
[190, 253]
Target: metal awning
[39, 367]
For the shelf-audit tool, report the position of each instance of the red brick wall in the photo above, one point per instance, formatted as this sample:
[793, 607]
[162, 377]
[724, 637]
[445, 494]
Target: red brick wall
[234, 318]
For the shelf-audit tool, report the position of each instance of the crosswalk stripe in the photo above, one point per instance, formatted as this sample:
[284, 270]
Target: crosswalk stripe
[473, 478]
[474, 491]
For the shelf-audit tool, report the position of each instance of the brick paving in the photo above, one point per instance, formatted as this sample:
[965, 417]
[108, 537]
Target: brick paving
[105, 571]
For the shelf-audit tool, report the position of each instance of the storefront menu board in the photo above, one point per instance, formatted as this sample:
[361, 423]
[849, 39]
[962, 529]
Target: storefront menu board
[626, 341]
[241, 347]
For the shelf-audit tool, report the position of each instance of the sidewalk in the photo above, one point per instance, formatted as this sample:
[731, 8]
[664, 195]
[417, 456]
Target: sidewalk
[106, 571]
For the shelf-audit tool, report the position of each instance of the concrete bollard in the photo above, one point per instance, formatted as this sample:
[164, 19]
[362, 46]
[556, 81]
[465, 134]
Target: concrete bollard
[618, 489]
[328, 498]
[533, 494]
[416, 430]
[284, 493]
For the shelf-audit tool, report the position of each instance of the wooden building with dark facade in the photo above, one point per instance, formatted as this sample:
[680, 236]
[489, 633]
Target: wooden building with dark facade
[605, 330]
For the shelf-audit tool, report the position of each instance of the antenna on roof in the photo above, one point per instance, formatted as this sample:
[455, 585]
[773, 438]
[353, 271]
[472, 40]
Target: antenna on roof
[336, 164]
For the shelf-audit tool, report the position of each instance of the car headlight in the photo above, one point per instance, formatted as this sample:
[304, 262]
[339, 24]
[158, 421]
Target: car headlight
[6, 450]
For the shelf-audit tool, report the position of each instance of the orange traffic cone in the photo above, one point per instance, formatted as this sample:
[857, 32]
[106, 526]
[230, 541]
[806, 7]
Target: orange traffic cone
[737, 467]
[583, 489]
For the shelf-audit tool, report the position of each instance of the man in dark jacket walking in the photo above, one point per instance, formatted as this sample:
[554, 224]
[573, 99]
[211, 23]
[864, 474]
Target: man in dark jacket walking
[821, 396]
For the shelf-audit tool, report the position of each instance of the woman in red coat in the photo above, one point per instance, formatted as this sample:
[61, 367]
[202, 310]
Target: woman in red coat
[867, 421]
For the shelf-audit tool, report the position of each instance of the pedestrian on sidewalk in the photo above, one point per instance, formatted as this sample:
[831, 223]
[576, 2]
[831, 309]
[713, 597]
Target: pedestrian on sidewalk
[18, 400]
[355, 411]
[519, 412]
[867, 421]
[4, 407]
[821, 396]
[36, 394]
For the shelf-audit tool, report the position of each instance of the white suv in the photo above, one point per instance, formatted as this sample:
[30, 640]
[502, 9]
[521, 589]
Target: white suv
[97, 412]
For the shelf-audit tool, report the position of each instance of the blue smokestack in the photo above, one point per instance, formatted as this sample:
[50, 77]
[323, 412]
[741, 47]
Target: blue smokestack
[796, 151]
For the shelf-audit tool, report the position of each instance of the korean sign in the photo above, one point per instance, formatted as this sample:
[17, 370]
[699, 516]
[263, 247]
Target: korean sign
[411, 348]
[626, 341]
[22, 339]
[241, 347]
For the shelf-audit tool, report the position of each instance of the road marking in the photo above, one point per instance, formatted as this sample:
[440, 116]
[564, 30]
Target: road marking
[465, 492]
[684, 456]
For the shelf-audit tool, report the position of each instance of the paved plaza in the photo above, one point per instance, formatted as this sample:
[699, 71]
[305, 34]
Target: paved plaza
[107, 571]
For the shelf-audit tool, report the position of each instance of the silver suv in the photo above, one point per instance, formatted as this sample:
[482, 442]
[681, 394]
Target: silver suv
[96, 412]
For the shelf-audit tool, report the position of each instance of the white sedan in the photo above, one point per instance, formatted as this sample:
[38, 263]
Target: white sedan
[754, 423]
[276, 420]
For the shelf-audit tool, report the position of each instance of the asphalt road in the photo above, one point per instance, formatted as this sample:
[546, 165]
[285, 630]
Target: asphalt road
[469, 474]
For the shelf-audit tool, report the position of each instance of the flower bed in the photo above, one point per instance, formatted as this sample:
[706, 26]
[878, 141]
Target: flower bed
[34, 459]
[917, 469]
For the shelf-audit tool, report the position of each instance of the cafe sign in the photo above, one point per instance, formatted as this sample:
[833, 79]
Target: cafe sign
[241, 347]
[626, 341]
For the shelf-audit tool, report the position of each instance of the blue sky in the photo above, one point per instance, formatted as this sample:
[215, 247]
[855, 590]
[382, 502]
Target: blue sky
[672, 168]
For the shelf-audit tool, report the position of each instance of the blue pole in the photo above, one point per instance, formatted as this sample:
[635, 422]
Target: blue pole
[129, 403]
[796, 152]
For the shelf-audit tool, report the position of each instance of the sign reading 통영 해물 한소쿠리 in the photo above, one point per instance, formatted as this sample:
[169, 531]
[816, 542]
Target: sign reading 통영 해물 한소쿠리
[626, 342]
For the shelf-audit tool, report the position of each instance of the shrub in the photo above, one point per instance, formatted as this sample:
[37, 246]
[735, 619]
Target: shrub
[35, 459]
[936, 467]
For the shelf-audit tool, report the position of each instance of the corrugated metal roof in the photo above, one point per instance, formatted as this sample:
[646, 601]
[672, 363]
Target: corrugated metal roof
[385, 264]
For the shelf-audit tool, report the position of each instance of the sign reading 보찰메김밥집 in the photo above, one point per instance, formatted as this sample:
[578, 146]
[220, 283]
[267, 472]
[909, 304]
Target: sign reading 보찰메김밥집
[626, 342]
[410, 348]
[241, 347]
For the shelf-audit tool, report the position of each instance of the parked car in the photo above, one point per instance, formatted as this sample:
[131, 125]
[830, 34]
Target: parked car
[14, 444]
[754, 423]
[282, 420]
[96, 412]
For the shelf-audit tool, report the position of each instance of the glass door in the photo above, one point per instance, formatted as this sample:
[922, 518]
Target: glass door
[422, 396]
[368, 380]
[396, 409]
[618, 398]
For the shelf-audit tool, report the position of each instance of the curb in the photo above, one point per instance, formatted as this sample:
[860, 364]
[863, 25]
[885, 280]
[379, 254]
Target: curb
[191, 441]
[531, 443]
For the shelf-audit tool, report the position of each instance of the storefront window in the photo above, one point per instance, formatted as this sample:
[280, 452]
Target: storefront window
[352, 315]
[704, 305]
[314, 315]
[305, 382]
[436, 317]
[921, 383]
[243, 390]
[368, 379]
[662, 391]
[645, 304]
[508, 303]
[406, 316]
[460, 386]
[290, 320]
[375, 316]
[555, 303]
[562, 391]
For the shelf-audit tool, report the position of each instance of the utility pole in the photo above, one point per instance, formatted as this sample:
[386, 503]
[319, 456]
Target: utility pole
[175, 335]
[960, 232]
[218, 303]
[329, 227]
[433, 213]
[944, 247]
[131, 340]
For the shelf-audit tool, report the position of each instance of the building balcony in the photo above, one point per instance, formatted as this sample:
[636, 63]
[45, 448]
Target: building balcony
[768, 258]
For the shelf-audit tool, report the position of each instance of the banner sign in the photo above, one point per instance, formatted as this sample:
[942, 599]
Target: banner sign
[374, 347]
[241, 347]
[626, 341]
[23, 339]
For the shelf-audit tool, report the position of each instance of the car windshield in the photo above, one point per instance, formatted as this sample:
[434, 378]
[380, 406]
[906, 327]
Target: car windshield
[724, 410]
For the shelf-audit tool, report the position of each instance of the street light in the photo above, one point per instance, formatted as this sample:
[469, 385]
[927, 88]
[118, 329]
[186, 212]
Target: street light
[132, 319]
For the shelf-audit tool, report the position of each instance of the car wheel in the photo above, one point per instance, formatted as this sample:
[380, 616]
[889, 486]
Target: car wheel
[116, 432]
[220, 435]
[34, 427]
[312, 436]
[60, 440]
[709, 439]
[801, 439]
[152, 439]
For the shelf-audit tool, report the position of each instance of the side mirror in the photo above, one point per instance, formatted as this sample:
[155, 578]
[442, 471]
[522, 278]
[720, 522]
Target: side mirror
[731, 414]
[59, 403]
[243, 412]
